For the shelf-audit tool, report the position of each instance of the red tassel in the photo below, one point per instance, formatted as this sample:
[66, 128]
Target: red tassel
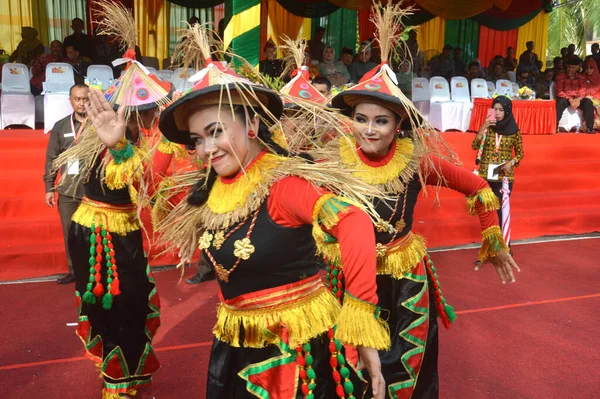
[98, 290]
[114, 287]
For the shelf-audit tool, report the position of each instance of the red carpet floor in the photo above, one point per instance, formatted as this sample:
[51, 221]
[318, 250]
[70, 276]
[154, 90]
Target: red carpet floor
[533, 339]
[557, 191]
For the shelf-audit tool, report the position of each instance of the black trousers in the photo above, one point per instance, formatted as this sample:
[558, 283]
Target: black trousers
[585, 105]
[66, 208]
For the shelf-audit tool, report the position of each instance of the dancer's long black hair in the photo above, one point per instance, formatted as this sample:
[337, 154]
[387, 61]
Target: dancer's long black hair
[200, 191]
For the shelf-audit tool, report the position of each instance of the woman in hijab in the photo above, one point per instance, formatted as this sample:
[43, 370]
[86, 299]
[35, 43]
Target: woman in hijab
[500, 147]
[29, 49]
[592, 85]
[335, 71]
[405, 77]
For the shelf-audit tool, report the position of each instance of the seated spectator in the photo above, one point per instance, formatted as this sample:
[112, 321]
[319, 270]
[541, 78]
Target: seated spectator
[323, 85]
[459, 65]
[510, 62]
[496, 60]
[405, 77]
[563, 54]
[335, 71]
[81, 41]
[443, 65]
[38, 72]
[418, 58]
[557, 66]
[270, 65]
[316, 45]
[596, 53]
[539, 65]
[542, 86]
[103, 50]
[363, 64]
[496, 73]
[482, 74]
[474, 71]
[571, 91]
[523, 79]
[80, 64]
[29, 49]
[571, 50]
[526, 64]
[347, 56]
[592, 80]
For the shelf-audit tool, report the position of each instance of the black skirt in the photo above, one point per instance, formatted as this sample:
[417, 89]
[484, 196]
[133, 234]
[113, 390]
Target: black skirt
[120, 338]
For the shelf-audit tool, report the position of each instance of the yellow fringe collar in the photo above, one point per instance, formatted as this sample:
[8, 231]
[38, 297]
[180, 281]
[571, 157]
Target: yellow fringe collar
[392, 175]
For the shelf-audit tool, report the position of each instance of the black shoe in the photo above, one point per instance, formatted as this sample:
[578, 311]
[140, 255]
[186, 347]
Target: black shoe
[202, 277]
[68, 279]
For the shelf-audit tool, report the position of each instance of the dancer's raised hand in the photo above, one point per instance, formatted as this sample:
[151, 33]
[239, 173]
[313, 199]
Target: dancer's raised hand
[504, 264]
[110, 125]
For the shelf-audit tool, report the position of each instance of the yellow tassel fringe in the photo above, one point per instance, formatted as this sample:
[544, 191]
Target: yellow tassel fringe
[360, 324]
[492, 243]
[111, 395]
[487, 198]
[400, 259]
[116, 221]
[304, 319]
[125, 173]
[169, 148]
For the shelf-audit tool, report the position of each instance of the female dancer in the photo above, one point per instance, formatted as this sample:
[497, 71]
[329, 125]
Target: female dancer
[407, 283]
[279, 331]
[500, 144]
[119, 309]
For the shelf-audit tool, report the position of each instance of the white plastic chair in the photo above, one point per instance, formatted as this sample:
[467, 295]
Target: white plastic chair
[552, 91]
[459, 86]
[151, 62]
[504, 87]
[515, 88]
[479, 88]
[17, 104]
[439, 89]
[180, 78]
[491, 89]
[152, 70]
[165, 75]
[512, 76]
[420, 90]
[103, 73]
[59, 80]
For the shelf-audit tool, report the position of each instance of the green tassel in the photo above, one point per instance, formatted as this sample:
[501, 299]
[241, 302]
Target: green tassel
[450, 313]
[89, 298]
[107, 301]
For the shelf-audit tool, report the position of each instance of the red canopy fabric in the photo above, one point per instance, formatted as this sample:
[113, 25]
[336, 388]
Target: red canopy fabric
[495, 42]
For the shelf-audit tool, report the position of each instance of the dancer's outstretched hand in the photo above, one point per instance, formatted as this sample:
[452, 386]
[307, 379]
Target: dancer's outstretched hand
[110, 125]
[504, 264]
[370, 358]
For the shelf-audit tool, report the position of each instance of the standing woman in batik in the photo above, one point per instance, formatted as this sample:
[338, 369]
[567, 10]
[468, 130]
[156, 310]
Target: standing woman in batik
[253, 212]
[407, 283]
[119, 309]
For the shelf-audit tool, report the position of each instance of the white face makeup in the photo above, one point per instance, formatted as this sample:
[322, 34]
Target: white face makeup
[375, 128]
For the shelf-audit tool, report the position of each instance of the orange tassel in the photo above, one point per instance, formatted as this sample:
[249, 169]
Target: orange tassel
[114, 287]
[98, 290]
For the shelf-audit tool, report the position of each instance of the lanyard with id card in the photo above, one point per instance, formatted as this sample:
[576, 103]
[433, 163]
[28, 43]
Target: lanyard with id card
[73, 165]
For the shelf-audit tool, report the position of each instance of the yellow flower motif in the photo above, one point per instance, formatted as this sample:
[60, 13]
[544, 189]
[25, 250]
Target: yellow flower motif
[381, 250]
[383, 227]
[400, 225]
[243, 248]
[204, 241]
[218, 240]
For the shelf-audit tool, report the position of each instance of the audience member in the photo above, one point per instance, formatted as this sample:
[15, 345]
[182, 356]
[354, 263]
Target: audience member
[542, 86]
[530, 46]
[335, 71]
[474, 71]
[103, 50]
[481, 71]
[570, 91]
[347, 56]
[510, 62]
[80, 64]
[442, 65]
[459, 65]
[363, 63]
[592, 81]
[405, 77]
[29, 49]
[418, 58]
[323, 85]
[523, 79]
[81, 41]
[564, 55]
[596, 53]
[557, 66]
[38, 71]
[496, 73]
[539, 65]
[570, 50]
[498, 59]
[526, 64]
[316, 45]
[270, 66]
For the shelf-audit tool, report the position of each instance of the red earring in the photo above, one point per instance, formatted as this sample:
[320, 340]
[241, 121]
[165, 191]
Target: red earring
[251, 134]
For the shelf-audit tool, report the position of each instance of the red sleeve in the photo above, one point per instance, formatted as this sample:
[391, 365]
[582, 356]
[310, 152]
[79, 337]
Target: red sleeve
[581, 91]
[291, 203]
[463, 181]
[560, 86]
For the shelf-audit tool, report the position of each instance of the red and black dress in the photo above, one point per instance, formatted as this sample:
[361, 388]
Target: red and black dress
[279, 331]
[119, 308]
[407, 283]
